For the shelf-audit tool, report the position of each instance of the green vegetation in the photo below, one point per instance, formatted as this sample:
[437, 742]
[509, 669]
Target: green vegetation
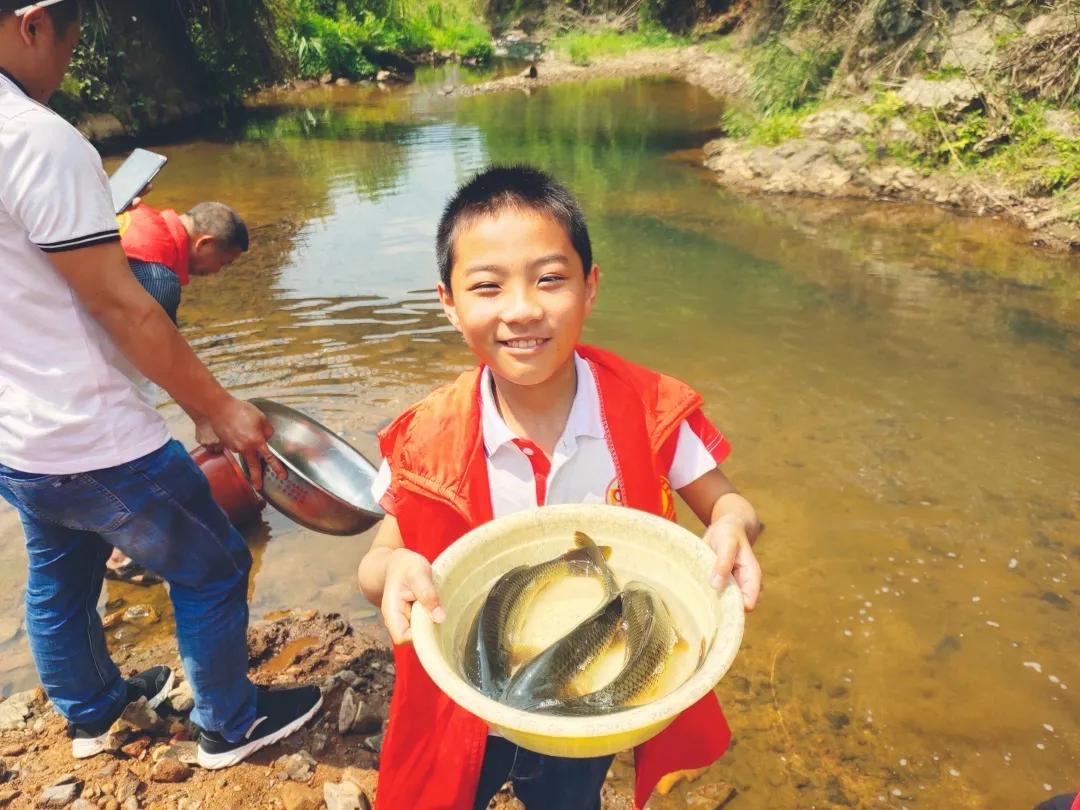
[581, 48]
[345, 38]
[159, 62]
[785, 86]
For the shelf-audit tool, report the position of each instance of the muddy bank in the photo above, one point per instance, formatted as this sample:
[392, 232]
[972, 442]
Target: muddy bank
[842, 150]
[332, 759]
[332, 762]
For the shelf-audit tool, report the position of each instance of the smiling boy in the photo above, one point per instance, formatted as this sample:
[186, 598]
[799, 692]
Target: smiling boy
[542, 420]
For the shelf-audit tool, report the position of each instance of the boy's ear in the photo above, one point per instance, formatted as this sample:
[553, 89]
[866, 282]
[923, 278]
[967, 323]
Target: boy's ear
[592, 287]
[447, 301]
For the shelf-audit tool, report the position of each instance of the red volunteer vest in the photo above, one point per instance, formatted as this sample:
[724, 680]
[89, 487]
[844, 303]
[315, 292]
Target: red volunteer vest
[149, 235]
[433, 749]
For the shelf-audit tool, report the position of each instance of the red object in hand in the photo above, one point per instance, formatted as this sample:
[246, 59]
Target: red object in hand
[228, 485]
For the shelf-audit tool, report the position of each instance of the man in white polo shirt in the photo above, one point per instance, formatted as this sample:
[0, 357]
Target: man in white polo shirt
[85, 461]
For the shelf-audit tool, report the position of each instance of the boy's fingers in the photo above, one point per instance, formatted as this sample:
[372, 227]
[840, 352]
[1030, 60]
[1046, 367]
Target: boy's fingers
[725, 547]
[421, 585]
[749, 578]
[396, 614]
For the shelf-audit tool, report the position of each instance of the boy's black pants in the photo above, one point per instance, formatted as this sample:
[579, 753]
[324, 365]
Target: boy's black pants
[541, 782]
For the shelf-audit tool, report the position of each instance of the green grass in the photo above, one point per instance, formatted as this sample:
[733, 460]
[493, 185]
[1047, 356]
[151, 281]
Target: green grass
[783, 79]
[583, 48]
[765, 130]
[343, 38]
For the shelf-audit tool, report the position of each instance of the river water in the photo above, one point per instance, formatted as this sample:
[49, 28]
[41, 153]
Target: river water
[901, 387]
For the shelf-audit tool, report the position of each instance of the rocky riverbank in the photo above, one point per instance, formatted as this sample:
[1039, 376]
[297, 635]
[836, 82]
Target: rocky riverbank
[872, 144]
[330, 763]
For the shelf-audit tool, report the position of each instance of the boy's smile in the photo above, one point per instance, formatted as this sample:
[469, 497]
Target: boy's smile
[519, 294]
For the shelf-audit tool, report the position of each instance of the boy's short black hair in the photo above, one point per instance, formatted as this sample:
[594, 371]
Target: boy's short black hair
[221, 222]
[501, 187]
[63, 15]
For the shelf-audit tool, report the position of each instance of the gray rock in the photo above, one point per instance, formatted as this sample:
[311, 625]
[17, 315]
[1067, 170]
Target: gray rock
[1056, 22]
[299, 767]
[341, 796]
[137, 716]
[373, 743]
[101, 127]
[897, 131]
[951, 97]
[347, 712]
[59, 795]
[1063, 123]
[187, 751]
[182, 698]
[84, 804]
[832, 125]
[850, 152]
[17, 709]
[131, 803]
[972, 40]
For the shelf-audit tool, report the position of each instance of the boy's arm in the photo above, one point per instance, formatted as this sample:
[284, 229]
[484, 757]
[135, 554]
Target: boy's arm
[393, 577]
[732, 527]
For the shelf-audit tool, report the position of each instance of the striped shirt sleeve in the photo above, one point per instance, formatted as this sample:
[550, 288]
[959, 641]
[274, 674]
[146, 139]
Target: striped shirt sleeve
[56, 187]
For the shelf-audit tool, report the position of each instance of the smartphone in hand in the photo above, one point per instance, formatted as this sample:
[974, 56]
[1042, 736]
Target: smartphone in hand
[133, 176]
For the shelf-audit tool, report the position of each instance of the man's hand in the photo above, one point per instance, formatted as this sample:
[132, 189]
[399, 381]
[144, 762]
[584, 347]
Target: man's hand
[244, 429]
[408, 580]
[727, 537]
[206, 436]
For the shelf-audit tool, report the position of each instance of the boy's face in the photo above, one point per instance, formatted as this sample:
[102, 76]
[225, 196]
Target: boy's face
[208, 256]
[518, 294]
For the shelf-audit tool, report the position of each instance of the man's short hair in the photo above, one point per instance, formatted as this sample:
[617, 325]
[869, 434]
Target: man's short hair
[63, 15]
[500, 187]
[221, 222]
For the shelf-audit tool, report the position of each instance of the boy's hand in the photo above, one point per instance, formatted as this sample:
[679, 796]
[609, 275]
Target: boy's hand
[408, 580]
[734, 555]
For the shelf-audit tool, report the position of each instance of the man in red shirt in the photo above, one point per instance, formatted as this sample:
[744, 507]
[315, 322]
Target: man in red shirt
[165, 248]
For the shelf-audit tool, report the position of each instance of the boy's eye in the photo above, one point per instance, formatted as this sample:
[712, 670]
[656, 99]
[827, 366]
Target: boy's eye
[484, 286]
[551, 278]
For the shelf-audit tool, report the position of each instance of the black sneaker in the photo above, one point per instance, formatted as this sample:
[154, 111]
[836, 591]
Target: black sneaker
[88, 739]
[280, 713]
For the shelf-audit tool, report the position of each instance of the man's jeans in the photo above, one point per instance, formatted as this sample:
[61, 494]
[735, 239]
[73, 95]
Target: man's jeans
[158, 510]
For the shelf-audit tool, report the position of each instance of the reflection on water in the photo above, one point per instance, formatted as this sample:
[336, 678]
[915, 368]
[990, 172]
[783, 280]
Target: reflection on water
[901, 387]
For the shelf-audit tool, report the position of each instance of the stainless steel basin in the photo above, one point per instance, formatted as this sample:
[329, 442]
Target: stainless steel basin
[329, 484]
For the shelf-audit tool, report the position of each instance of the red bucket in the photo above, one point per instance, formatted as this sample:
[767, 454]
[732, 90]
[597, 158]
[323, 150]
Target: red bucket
[229, 486]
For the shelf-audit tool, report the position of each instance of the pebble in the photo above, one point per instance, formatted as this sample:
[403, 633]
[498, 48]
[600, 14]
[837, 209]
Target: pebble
[170, 770]
[299, 797]
[341, 796]
[83, 804]
[13, 750]
[299, 767]
[60, 795]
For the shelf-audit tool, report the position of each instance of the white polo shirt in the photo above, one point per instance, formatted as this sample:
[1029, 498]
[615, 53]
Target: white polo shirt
[581, 468]
[68, 401]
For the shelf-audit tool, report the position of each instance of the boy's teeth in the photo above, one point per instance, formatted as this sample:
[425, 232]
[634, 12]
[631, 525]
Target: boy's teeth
[523, 344]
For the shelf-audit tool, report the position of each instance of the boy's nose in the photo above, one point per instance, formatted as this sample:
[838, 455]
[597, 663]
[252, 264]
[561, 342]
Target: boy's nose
[522, 307]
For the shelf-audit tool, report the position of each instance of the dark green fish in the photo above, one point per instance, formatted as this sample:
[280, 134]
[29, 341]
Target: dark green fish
[650, 639]
[551, 674]
[489, 648]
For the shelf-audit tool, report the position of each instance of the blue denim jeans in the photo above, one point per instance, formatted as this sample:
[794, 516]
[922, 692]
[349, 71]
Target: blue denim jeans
[158, 510]
[540, 781]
